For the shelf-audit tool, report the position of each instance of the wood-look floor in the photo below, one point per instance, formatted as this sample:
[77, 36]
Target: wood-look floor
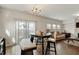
[66, 49]
[62, 49]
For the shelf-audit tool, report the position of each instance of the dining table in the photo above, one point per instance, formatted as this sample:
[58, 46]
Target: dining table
[42, 37]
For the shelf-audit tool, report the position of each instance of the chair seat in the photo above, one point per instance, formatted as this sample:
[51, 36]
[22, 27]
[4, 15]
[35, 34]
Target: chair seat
[26, 44]
[51, 39]
[28, 47]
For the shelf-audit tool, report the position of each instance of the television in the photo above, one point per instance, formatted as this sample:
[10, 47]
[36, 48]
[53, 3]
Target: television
[77, 24]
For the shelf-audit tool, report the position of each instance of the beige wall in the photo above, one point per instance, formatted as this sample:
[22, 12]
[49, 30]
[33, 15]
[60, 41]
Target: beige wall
[8, 18]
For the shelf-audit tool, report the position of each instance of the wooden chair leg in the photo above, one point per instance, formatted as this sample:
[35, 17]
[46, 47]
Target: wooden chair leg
[55, 49]
[47, 47]
[68, 40]
[22, 52]
[46, 51]
[32, 52]
[73, 41]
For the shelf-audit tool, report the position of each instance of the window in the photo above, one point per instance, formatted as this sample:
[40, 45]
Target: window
[54, 26]
[24, 29]
[58, 27]
[31, 27]
[48, 26]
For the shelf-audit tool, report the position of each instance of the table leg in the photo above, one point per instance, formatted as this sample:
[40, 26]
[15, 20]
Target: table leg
[42, 46]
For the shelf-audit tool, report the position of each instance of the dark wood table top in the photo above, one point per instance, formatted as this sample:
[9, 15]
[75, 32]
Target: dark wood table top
[42, 36]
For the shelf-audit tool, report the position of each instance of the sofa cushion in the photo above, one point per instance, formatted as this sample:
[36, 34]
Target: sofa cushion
[25, 44]
[51, 39]
[58, 35]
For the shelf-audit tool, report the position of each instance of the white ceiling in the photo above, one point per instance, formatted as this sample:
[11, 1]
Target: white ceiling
[58, 11]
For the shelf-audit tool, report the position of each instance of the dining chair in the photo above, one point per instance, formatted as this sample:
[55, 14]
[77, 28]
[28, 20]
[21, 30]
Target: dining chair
[27, 46]
[2, 46]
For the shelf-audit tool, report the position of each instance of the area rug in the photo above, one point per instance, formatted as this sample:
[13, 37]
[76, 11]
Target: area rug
[74, 43]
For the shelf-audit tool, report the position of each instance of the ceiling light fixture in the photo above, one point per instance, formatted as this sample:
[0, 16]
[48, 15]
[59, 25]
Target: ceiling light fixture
[36, 10]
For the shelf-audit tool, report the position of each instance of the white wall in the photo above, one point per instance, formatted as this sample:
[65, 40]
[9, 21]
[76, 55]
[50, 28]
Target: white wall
[69, 26]
[8, 18]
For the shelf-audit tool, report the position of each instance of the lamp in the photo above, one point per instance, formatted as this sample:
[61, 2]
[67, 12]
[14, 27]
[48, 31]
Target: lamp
[36, 10]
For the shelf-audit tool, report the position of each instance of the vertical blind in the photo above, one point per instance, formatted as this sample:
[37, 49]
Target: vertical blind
[24, 29]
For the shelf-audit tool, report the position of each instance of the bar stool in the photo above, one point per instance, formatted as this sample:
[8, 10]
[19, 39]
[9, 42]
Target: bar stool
[51, 41]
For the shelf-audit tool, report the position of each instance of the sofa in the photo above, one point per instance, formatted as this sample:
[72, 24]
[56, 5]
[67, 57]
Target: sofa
[60, 35]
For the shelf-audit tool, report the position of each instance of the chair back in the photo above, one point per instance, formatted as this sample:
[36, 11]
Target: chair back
[2, 46]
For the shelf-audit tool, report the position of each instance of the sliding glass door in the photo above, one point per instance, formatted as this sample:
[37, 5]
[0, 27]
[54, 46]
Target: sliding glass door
[24, 29]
